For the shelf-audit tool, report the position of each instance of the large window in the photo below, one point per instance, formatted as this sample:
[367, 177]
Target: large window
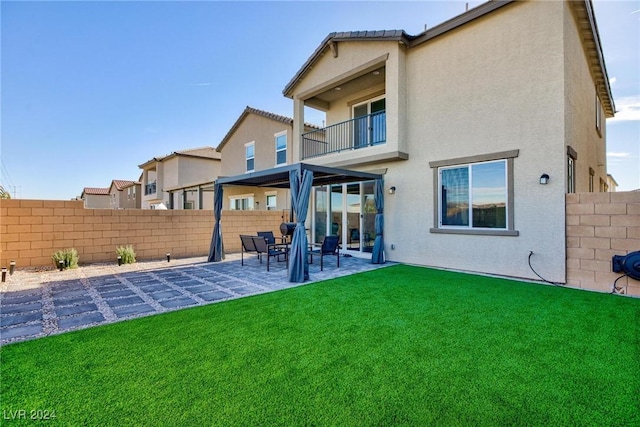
[281, 148]
[250, 155]
[241, 203]
[475, 194]
[272, 200]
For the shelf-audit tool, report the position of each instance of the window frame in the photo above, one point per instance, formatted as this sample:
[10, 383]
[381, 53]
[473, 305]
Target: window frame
[239, 198]
[247, 158]
[506, 156]
[286, 146]
[268, 195]
[572, 158]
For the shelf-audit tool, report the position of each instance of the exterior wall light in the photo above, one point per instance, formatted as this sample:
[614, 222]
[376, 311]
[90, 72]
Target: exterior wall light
[544, 179]
[392, 190]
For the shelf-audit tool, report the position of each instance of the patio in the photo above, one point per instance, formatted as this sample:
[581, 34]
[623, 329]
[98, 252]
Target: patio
[40, 303]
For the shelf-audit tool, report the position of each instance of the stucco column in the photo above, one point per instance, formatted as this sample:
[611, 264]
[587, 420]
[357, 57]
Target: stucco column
[298, 127]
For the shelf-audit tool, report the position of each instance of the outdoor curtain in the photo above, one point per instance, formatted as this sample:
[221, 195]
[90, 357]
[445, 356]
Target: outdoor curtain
[216, 250]
[377, 256]
[300, 195]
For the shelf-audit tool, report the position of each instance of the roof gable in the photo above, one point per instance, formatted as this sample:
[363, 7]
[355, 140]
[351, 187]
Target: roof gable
[95, 191]
[200, 152]
[250, 110]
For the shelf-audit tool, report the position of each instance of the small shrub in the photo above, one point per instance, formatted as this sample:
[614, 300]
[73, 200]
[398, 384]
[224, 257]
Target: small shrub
[69, 256]
[127, 254]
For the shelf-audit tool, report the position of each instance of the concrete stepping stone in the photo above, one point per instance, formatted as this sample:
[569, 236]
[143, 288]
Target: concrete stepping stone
[20, 318]
[214, 296]
[84, 319]
[165, 294]
[21, 331]
[75, 309]
[124, 301]
[178, 302]
[132, 310]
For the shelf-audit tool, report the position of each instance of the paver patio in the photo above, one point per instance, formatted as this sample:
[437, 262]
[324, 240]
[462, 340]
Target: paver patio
[34, 304]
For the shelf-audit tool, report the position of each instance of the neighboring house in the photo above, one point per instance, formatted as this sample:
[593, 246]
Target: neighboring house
[612, 184]
[96, 198]
[125, 194]
[258, 140]
[465, 121]
[180, 180]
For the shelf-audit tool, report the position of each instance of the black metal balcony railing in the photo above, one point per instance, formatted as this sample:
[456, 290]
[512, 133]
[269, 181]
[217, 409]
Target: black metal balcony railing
[352, 134]
[150, 188]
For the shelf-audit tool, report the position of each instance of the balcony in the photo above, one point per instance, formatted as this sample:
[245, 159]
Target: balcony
[150, 188]
[361, 132]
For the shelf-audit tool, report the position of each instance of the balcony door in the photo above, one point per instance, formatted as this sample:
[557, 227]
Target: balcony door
[369, 124]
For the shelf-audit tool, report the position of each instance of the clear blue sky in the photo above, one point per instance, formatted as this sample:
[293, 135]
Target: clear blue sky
[91, 89]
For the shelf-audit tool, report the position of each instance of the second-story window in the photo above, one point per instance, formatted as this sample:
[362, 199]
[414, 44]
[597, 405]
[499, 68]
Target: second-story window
[250, 156]
[281, 148]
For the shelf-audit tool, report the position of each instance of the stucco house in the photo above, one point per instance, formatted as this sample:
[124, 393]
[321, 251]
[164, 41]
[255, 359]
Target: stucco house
[479, 126]
[124, 194]
[258, 140]
[96, 197]
[180, 180]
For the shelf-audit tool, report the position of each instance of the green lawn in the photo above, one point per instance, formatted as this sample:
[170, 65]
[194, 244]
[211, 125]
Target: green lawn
[396, 346]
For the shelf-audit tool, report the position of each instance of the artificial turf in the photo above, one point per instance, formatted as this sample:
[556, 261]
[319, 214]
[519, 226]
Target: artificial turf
[396, 346]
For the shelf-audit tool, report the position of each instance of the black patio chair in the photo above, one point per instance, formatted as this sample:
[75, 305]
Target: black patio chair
[330, 246]
[270, 250]
[271, 239]
[248, 246]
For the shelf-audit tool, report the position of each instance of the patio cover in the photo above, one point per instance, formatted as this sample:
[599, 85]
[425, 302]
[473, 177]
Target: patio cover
[280, 177]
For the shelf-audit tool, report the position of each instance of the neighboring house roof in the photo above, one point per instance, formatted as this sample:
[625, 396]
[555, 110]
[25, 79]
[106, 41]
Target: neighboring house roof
[583, 8]
[95, 191]
[121, 184]
[250, 110]
[200, 152]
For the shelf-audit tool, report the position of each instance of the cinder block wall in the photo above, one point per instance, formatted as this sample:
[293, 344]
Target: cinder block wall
[599, 226]
[32, 230]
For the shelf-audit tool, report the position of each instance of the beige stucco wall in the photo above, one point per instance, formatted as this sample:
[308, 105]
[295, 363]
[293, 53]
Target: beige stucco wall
[95, 201]
[262, 131]
[580, 113]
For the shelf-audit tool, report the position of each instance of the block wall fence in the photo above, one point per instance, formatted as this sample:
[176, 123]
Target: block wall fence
[32, 230]
[599, 226]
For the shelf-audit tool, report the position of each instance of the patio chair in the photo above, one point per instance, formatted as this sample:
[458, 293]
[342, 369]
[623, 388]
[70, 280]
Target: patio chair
[271, 239]
[262, 247]
[248, 245]
[329, 246]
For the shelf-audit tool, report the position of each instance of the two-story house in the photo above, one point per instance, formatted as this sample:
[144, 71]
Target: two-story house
[180, 180]
[124, 194]
[480, 126]
[258, 140]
